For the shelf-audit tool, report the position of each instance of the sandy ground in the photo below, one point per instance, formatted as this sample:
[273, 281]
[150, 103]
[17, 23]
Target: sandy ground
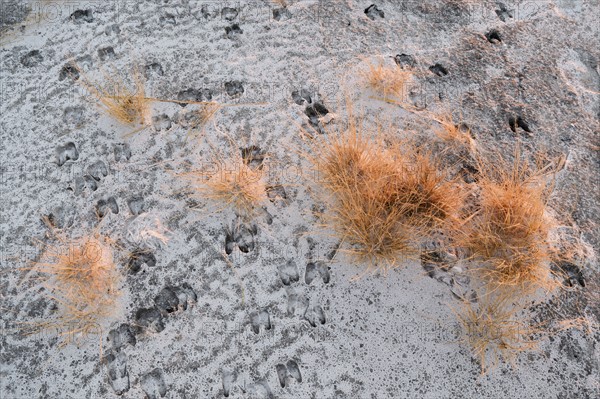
[281, 310]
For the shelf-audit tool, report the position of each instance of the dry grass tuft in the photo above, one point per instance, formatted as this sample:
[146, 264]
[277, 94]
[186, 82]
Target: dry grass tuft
[384, 199]
[454, 133]
[83, 278]
[232, 182]
[508, 235]
[494, 332]
[388, 81]
[242, 188]
[122, 100]
[195, 120]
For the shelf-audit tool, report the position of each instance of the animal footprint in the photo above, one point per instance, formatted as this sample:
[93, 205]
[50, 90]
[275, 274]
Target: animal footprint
[68, 71]
[171, 299]
[153, 384]
[245, 237]
[315, 315]
[493, 36]
[80, 16]
[373, 12]
[314, 269]
[314, 112]
[32, 58]
[87, 181]
[405, 61]
[161, 122]
[154, 68]
[504, 12]
[297, 304]
[229, 13]
[136, 205]
[73, 115]
[439, 70]
[117, 372]
[572, 274]
[290, 369]
[98, 170]
[259, 389]
[294, 370]
[288, 272]
[67, 152]
[62, 216]
[276, 193]
[103, 207]
[242, 235]
[301, 96]
[122, 152]
[193, 95]
[518, 122]
[106, 53]
[234, 88]
[149, 319]
[121, 336]
[227, 378]
[259, 319]
[253, 156]
[138, 258]
[233, 30]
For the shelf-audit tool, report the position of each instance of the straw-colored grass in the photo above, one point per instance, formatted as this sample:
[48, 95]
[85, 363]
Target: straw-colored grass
[231, 183]
[384, 199]
[238, 186]
[389, 81]
[508, 235]
[82, 277]
[494, 332]
[195, 120]
[453, 133]
[123, 99]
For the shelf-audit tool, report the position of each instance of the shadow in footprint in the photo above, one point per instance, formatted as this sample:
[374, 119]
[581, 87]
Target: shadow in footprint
[288, 272]
[289, 370]
[516, 122]
[104, 207]
[153, 384]
[314, 269]
[297, 304]
[148, 319]
[259, 319]
[315, 315]
[228, 378]
[373, 12]
[121, 336]
[571, 274]
[67, 152]
[118, 376]
[138, 258]
[240, 235]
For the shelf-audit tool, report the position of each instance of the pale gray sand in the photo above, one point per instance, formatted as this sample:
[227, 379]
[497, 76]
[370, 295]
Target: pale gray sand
[323, 335]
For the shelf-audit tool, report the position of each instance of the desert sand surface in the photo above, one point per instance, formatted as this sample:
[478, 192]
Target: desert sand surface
[205, 301]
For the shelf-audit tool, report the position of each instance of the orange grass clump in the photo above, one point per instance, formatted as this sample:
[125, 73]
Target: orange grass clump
[508, 235]
[82, 277]
[384, 199]
[494, 332]
[232, 182]
[123, 101]
[389, 81]
[241, 188]
[454, 133]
